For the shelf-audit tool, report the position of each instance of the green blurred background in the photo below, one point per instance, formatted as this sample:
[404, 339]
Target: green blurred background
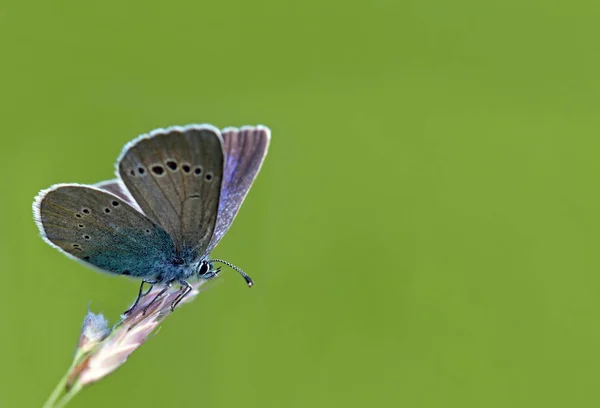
[423, 233]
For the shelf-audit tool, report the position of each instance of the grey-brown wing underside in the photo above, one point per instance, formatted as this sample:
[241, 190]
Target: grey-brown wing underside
[102, 230]
[116, 187]
[245, 151]
[175, 175]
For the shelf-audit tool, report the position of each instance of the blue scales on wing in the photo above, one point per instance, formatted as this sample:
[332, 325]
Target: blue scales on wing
[103, 230]
[245, 151]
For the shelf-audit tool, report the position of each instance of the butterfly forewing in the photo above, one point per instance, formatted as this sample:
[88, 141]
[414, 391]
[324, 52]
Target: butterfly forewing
[101, 229]
[175, 176]
[245, 150]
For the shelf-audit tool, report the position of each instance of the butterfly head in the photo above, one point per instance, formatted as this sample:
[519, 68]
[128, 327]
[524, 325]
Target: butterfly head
[206, 270]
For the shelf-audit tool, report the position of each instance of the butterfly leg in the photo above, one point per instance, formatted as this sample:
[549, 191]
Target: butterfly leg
[140, 295]
[158, 296]
[185, 289]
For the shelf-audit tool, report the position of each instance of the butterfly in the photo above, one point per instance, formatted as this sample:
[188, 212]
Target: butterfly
[176, 194]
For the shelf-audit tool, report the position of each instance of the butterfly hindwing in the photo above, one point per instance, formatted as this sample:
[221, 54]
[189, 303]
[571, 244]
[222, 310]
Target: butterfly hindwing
[103, 230]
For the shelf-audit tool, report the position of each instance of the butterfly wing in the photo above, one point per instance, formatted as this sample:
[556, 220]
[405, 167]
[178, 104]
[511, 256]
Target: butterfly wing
[102, 230]
[175, 175]
[245, 151]
[117, 188]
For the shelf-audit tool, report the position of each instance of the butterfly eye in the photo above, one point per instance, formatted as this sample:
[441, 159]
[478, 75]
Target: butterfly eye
[203, 268]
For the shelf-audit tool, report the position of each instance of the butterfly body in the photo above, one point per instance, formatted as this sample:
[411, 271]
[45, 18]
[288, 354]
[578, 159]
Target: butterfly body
[177, 192]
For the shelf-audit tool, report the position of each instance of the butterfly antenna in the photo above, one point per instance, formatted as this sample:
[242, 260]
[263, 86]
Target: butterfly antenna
[235, 268]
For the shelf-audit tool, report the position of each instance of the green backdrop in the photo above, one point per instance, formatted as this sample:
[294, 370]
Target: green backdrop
[423, 233]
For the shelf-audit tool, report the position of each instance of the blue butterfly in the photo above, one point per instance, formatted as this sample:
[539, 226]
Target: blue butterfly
[176, 194]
